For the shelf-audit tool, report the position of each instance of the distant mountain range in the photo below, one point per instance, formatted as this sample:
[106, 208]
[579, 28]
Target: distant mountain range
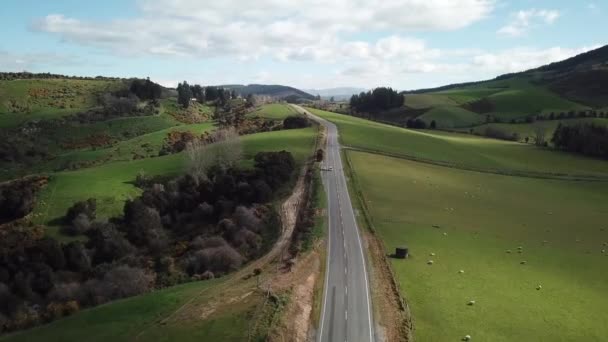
[275, 91]
[340, 93]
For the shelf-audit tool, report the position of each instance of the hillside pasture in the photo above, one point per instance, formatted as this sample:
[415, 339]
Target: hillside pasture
[462, 150]
[451, 117]
[274, 111]
[37, 99]
[528, 129]
[424, 101]
[112, 184]
[138, 318]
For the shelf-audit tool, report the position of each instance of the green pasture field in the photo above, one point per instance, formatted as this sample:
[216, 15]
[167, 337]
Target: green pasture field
[275, 111]
[464, 220]
[452, 116]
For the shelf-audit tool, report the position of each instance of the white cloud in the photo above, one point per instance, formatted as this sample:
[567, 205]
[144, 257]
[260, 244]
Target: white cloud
[312, 31]
[524, 20]
[300, 30]
[520, 59]
[17, 62]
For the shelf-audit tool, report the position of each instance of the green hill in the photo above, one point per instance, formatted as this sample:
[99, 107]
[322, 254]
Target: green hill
[22, 100]
[576, 84]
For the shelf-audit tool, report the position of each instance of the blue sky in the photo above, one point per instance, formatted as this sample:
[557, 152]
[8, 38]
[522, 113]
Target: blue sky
[405, 44]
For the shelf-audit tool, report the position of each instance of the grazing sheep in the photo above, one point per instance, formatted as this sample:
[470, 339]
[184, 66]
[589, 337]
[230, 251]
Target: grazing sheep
[605, 243]
[603, 251]
[461, 271]
[471, 303]
[520, 251]
[432, 254]
[520, 248]
[466, 338]
[509, 251]
[539, 287]
[430, 262]
[445, 234]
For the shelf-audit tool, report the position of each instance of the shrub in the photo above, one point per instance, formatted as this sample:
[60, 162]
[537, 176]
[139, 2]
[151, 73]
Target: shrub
[87, 208]
[296, 121]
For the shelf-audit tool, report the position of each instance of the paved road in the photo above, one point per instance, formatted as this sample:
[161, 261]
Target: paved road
[347, 313]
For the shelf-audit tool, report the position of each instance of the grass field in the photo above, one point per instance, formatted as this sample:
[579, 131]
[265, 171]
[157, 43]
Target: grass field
[275, 111]
[423, 101]
[512, 98]
[138, 318]
[527, 129]
[451, 117]
[24, 100]
[461, 150]
[145, 145]
[111, 184]
[483, 215]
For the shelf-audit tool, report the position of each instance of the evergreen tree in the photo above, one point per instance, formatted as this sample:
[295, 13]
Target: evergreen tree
[184, 94]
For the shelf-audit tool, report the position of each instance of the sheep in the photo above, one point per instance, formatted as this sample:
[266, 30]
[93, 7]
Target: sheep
[445, 234]
[430, 262]
[603, 251]
[471, 303]
[461, 271]
[508, 251]
[520, 248]
[432, 254]
[466, 338]
[539, 287]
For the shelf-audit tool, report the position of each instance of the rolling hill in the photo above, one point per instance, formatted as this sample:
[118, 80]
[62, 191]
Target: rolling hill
[274, 91]
[575, 84]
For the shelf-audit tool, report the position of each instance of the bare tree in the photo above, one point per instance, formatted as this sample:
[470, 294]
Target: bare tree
[199, 158]
[228, 149]
[539, 134]
[224, 150]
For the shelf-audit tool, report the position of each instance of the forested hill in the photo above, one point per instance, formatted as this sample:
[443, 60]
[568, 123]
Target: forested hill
[276, 91]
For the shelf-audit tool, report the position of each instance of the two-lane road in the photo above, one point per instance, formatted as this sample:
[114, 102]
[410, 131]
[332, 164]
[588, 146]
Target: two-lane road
[347, 314]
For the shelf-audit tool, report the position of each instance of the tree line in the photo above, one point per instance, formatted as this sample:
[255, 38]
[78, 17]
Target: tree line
[584, 138]
[186, 92]
[24, 75]
[379, 99]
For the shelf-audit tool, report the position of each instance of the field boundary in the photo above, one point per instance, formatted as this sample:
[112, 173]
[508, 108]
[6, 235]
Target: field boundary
[395, 285]
[514, 173]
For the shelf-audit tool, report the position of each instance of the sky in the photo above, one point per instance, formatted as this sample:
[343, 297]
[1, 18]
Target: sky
[407, 44]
